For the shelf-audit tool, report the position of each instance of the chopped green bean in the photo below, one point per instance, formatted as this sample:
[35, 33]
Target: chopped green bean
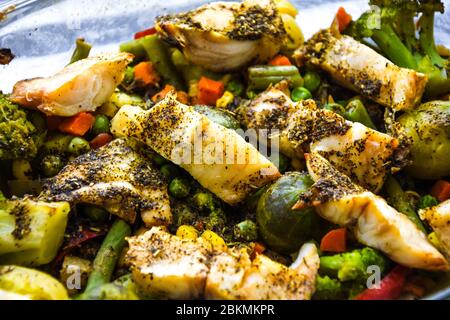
[272, 71]
[357, 112]
[134, 47]
[336, 108]
[81, 51]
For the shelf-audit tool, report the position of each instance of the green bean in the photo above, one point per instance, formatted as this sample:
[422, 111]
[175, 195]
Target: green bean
[179, 188]
[170, 171]
[336, 108]
[135, 47]
[129, 75]
[262, 83]
[356, 112]
[312, 80]
[399, 201]
[51, 164]
[78, 146]
[300, 93]
[101, 125]
[81, 51]
[57, 144]
[191, 73]
[108, 254]
[272, 71]
[158, 54]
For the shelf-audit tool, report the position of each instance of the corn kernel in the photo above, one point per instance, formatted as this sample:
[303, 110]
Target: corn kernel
[215, 240]
[226, 99]
[187, 232]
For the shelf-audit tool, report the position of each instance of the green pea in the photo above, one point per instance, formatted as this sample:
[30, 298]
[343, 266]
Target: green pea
[335, 107]
[170, 171]
[216, 220]
[300, 93]
[78, 146]
[95, 213]
[51, 165]
[129, 75]
[101, 125]
[179, 188]
[311, 80]
[204, 200]
[235, 86]
[246, 230]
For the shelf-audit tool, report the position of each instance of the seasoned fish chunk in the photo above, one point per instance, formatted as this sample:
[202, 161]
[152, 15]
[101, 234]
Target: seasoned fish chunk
[360, 68]
[117, 177]
[374, 223]
[223, 36]
[439, 219]
[166, 266]
[80, 86]
[217, 157]
[234, 276]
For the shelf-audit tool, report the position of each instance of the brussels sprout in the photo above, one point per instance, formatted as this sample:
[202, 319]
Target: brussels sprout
[218, 116]
[282, 228]
[31, 283]
[428, 127]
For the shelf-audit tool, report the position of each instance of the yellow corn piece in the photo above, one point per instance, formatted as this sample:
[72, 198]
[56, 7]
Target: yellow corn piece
[217, 243]
[187, 232]
[432, 237]
[225, 100]
[285, 6]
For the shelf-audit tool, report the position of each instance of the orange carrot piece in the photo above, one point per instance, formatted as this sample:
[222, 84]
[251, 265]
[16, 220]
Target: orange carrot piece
[280, 60]
[145, 73]
[100, 140]
[343, 19]
[163, 93]
[334, 241]
[209, 91]
[77, 125]
[441, 190]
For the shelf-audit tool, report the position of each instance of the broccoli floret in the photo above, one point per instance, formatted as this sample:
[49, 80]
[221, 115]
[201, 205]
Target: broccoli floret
[352, 265]
[427, 201]
[329, 289]
[19, 138]
[391, 25]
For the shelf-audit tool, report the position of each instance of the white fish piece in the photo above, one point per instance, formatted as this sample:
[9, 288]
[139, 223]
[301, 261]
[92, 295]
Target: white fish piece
[374, 223]
[360, 68]
[80, 87]
[439, 219]
[117, 177]
[234, 275]
[217, 157]
[223, 36]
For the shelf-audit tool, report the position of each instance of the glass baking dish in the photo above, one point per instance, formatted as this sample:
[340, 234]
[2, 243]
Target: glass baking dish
[41, 34]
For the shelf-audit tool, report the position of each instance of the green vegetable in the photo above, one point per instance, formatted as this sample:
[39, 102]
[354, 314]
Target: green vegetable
[170, 171]
[128, 76]
[158, 54]
[219, 116]
[428, 127]
[335, 107]
[101, 125]
[311, 80]
[19, 138]
[329, 289]
[398, 199]
[246, 230]
[51, 164]
[236, 87]
[204, 201]
[107, 255]
[191, 73]
[216, 220]
[38, 120]
[31, 232]
[122, 288]
[78, 146]
[396, 38]
[95, 213]
[179, 188]
[261, 77]
[300, 93]
[135, 47]
[31, 284]
[282, 228]
[427, 201]
[57, 144]
[352, 265]
[357, 112]
[81, 51]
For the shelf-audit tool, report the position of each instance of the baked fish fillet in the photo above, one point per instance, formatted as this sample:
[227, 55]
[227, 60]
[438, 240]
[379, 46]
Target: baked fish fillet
[81, 86]
[439, 219]
[360, 68]
[116, 177]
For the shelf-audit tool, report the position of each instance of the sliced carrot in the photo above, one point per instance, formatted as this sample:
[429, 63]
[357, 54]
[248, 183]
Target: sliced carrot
[100, 140]
[334, 241]
[163, 93]
[143, 33]
[77, 125]
[280, 60]
[209, 91]
[343, 19]
[53, 122]
[441, 190]
[145, 73]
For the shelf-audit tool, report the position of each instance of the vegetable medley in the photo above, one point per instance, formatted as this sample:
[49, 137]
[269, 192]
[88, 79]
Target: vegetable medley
[220, 155]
